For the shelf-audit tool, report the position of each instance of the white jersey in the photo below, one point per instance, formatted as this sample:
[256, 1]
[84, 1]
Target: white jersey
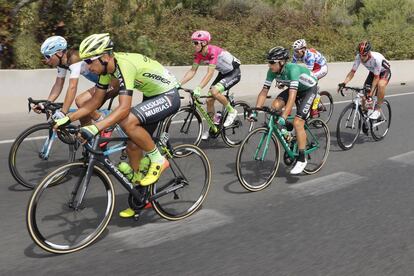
[75, 70]
[375, 64]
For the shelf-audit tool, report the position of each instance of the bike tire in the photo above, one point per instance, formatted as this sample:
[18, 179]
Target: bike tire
[327, 106]
[319, 125]
[241, 123]
[182, 164]
[340, 137]
[20, 174]
[373, 128]
[34, 224]
[242, 176]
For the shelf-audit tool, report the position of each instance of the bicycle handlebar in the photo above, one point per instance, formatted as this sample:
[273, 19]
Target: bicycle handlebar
[355, 89]
[47, 104]
[265, 109]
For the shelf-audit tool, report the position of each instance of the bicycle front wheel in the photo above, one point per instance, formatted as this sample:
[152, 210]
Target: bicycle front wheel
[182, 188]
[348, 127]
[184, 127]
[36, 152]
[52, 220]
[325, 106]
[235, 134]
[380, 126]
[318, 141]
[257, 160]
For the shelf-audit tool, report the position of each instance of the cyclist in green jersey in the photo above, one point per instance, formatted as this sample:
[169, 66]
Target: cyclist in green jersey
[301, 90]
[160, 100]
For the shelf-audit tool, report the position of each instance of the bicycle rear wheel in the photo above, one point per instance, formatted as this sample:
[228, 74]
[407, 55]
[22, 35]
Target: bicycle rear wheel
[235, 134]
[28, 159]
[184, 127]
[348, 127]
[254, 173]
[319, 139]
[380, 127]
[325, 106]
[185, 184]
[52, 221]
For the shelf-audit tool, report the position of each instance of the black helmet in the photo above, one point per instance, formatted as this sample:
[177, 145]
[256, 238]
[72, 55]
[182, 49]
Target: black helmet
[364, 47]
[278, 53]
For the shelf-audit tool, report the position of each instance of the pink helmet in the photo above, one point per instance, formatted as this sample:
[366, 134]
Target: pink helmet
[201, 36]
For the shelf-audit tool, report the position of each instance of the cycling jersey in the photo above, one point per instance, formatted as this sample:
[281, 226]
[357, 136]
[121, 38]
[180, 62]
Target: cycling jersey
[313, 59]
[75, 70]
[218, 58]
[294, 76]
[375, 64]
[140, 72]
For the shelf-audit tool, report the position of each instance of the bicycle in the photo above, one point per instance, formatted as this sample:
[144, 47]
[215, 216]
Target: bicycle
[187, 124]
[258, 157]
[354, 117]
[43, 147]
[323, 106]
[67, 216]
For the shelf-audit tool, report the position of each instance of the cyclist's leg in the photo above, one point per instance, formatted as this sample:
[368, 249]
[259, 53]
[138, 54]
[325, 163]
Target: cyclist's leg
[306, 100]
[80, 101]
[382, 84]
[281, 100]
[148, 113]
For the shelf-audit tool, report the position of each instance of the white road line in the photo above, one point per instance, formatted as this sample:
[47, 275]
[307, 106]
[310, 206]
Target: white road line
[339, 102]
[153, 234]
[405, 158]
[324, 184]
[28, 139]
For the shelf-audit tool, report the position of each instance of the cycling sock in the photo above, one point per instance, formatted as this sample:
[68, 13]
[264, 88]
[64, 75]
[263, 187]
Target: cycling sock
[155, 156]
[301, 157]
[229, 108]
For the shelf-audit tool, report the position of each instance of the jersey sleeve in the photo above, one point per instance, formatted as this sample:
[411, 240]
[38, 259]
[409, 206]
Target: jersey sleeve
[357, 62]
[61, 72]
[103, 81]
[293, 76]
[269, 79]
[310, 61]
[126, 77]
[377, 68]
[294, 59]
[75, 70]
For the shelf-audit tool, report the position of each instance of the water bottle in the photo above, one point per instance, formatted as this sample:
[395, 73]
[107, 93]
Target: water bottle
[217, 118]
[316, 102]
[126, 170]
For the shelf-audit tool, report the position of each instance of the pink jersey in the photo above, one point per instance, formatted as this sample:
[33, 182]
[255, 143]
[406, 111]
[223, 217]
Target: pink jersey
[217, 57]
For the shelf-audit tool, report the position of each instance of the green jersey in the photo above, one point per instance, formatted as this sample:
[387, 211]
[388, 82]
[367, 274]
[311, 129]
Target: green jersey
[140, 72]
[293, 76]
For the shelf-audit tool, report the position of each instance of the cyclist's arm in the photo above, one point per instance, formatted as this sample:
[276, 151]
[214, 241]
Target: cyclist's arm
[70, 95]
[189, 75]
[353, 70]
[261, 98]
[91, 105]
[290, 103]
[207, 77]
[56, 89]
[349, 77]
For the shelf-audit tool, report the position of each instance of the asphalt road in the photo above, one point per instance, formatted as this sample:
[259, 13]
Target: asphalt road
[355, 217]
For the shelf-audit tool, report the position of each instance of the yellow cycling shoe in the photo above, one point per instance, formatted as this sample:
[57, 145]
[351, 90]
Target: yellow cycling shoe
[127, 213]
[154, 172]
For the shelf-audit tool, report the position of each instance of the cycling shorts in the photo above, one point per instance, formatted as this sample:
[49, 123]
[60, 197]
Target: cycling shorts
[303, 100]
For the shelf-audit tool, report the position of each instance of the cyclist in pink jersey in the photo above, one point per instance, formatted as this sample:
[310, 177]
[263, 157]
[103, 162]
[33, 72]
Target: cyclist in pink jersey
[378, 77]
[229, 74]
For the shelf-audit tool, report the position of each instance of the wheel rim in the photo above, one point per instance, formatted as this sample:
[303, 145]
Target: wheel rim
[317, 135]
[349, 125]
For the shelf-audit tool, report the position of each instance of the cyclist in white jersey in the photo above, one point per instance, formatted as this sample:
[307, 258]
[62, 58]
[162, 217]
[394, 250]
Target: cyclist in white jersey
[54, 49]
[378, 77]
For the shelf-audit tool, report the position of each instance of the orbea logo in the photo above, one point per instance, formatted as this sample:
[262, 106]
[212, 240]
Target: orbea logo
[156, 77]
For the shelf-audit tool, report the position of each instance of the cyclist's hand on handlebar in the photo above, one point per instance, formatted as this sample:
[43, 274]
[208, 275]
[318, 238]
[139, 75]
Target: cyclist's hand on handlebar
[61, 122]
[88, 132]
[341, 86]
[38, 108]
[197, 92]
[252, 117]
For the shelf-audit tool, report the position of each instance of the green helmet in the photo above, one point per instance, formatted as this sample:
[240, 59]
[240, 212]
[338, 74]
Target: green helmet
[95, 45]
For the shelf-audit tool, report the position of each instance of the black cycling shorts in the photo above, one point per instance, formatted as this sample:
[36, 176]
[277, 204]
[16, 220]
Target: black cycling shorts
[303, 100]
[229, 79]
[155, 109]
[384, 75]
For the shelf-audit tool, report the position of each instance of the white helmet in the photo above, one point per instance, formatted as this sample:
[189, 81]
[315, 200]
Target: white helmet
[52, 45]
[299, 44]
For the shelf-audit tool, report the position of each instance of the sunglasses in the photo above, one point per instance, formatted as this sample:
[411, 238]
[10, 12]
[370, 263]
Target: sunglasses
[90, 60]
[196, 42]
[271, 61]
[47, 57]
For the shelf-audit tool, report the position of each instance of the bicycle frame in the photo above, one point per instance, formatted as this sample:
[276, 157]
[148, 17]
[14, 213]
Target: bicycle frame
[292, 153]
[103, 160]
